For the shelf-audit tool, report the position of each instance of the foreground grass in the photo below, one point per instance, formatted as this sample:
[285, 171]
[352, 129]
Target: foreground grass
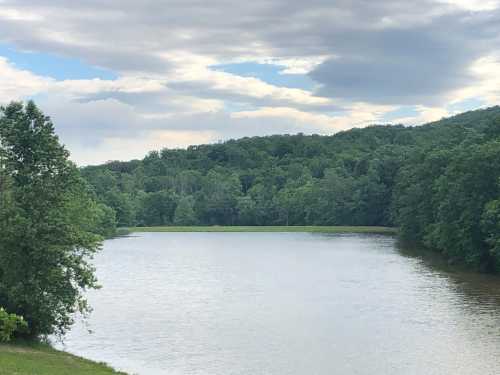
[41, 359]
[309, 229]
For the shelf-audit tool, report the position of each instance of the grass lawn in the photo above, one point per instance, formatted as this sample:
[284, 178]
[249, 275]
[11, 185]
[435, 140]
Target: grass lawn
[312, 229]
[41, 359]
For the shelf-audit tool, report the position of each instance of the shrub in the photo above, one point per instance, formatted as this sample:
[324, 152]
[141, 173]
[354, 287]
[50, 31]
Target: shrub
[9, 324]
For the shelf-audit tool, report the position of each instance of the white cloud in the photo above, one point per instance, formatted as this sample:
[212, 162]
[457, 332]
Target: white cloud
[474, 5]
[117, 148]
[358, 115]
[197, 78]
[16, 84]
[425, 115]
[486, 70]
[13, 14]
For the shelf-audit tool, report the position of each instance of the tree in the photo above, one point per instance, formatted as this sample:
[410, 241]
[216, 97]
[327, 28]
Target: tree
[184, 213]
[157, 208]
[106, 221]
[246, 210]
[491, 228]
[122, 204]
[47, 224]
[461, 194]
[220, 193]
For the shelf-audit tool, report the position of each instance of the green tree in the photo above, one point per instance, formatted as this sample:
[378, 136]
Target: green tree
[157, 208]
[490, 225]
[461, 194]
[123, 205]
[184, 213]
[47, 224]
[220, 193]
[106, 221]
[246, 210]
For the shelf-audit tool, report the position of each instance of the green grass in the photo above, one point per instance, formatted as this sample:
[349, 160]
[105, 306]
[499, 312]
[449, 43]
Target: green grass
[309, 229]
[41, 359]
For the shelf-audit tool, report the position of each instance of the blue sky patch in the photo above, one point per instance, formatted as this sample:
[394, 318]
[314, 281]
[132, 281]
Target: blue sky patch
[268, 73]
[55, 66]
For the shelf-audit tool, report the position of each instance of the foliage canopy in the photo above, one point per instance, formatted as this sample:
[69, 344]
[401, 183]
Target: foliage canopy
[48, 223]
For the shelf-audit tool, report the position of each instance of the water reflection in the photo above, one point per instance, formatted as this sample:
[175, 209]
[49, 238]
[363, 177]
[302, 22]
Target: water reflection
[475, 295]
[477, 289]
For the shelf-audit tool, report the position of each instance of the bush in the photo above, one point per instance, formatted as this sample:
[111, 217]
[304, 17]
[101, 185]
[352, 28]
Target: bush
[9, 324]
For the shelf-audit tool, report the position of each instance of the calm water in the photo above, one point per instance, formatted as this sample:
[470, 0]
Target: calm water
[285, 303]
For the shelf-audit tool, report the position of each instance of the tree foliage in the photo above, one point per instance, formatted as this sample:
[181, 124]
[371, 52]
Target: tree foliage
[48, 224]
[10, 324]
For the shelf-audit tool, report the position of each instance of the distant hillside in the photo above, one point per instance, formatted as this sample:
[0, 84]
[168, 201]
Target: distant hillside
[438, 182]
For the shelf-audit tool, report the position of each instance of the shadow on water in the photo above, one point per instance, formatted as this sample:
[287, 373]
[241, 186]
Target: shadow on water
[477, 289]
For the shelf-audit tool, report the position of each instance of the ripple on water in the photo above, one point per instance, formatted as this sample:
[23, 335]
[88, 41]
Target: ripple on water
[286, 303]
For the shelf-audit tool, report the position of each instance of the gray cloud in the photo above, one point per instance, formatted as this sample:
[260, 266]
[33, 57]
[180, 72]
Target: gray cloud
[385, 51]
[205, 90]
[149, 102]
[405, 67]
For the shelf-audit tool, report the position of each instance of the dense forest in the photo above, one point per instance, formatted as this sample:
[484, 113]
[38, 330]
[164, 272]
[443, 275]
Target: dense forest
[439, 183]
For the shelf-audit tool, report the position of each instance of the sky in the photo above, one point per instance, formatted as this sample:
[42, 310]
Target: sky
[120, 78]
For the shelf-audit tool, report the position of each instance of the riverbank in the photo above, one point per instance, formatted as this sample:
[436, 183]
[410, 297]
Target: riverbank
[306, 229]
[41, 359]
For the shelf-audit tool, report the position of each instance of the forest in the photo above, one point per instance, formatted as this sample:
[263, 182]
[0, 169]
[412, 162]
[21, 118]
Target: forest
[439, 183]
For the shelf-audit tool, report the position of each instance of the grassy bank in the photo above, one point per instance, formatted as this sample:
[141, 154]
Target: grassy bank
[40, 359]
[309, 229]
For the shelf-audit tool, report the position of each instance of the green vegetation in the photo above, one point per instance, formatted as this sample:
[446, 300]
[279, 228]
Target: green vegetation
[50, 224]
[309, 229]
[9, 324]
[40, 359]
[439, 183]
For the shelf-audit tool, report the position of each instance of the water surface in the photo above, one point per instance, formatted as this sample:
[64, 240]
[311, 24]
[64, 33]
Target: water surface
[285, 304]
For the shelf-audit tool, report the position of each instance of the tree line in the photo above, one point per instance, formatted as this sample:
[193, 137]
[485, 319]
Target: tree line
[439, 183]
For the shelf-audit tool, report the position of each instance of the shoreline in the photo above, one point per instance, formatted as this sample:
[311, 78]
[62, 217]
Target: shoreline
[267, 229]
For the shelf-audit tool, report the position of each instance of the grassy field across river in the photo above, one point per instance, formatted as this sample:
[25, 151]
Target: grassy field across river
[311, 229]
[41, 359]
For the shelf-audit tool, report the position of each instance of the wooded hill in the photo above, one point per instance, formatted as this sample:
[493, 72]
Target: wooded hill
[439, 183]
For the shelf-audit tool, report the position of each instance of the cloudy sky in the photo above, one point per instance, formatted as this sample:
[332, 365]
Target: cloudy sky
[121, 77]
